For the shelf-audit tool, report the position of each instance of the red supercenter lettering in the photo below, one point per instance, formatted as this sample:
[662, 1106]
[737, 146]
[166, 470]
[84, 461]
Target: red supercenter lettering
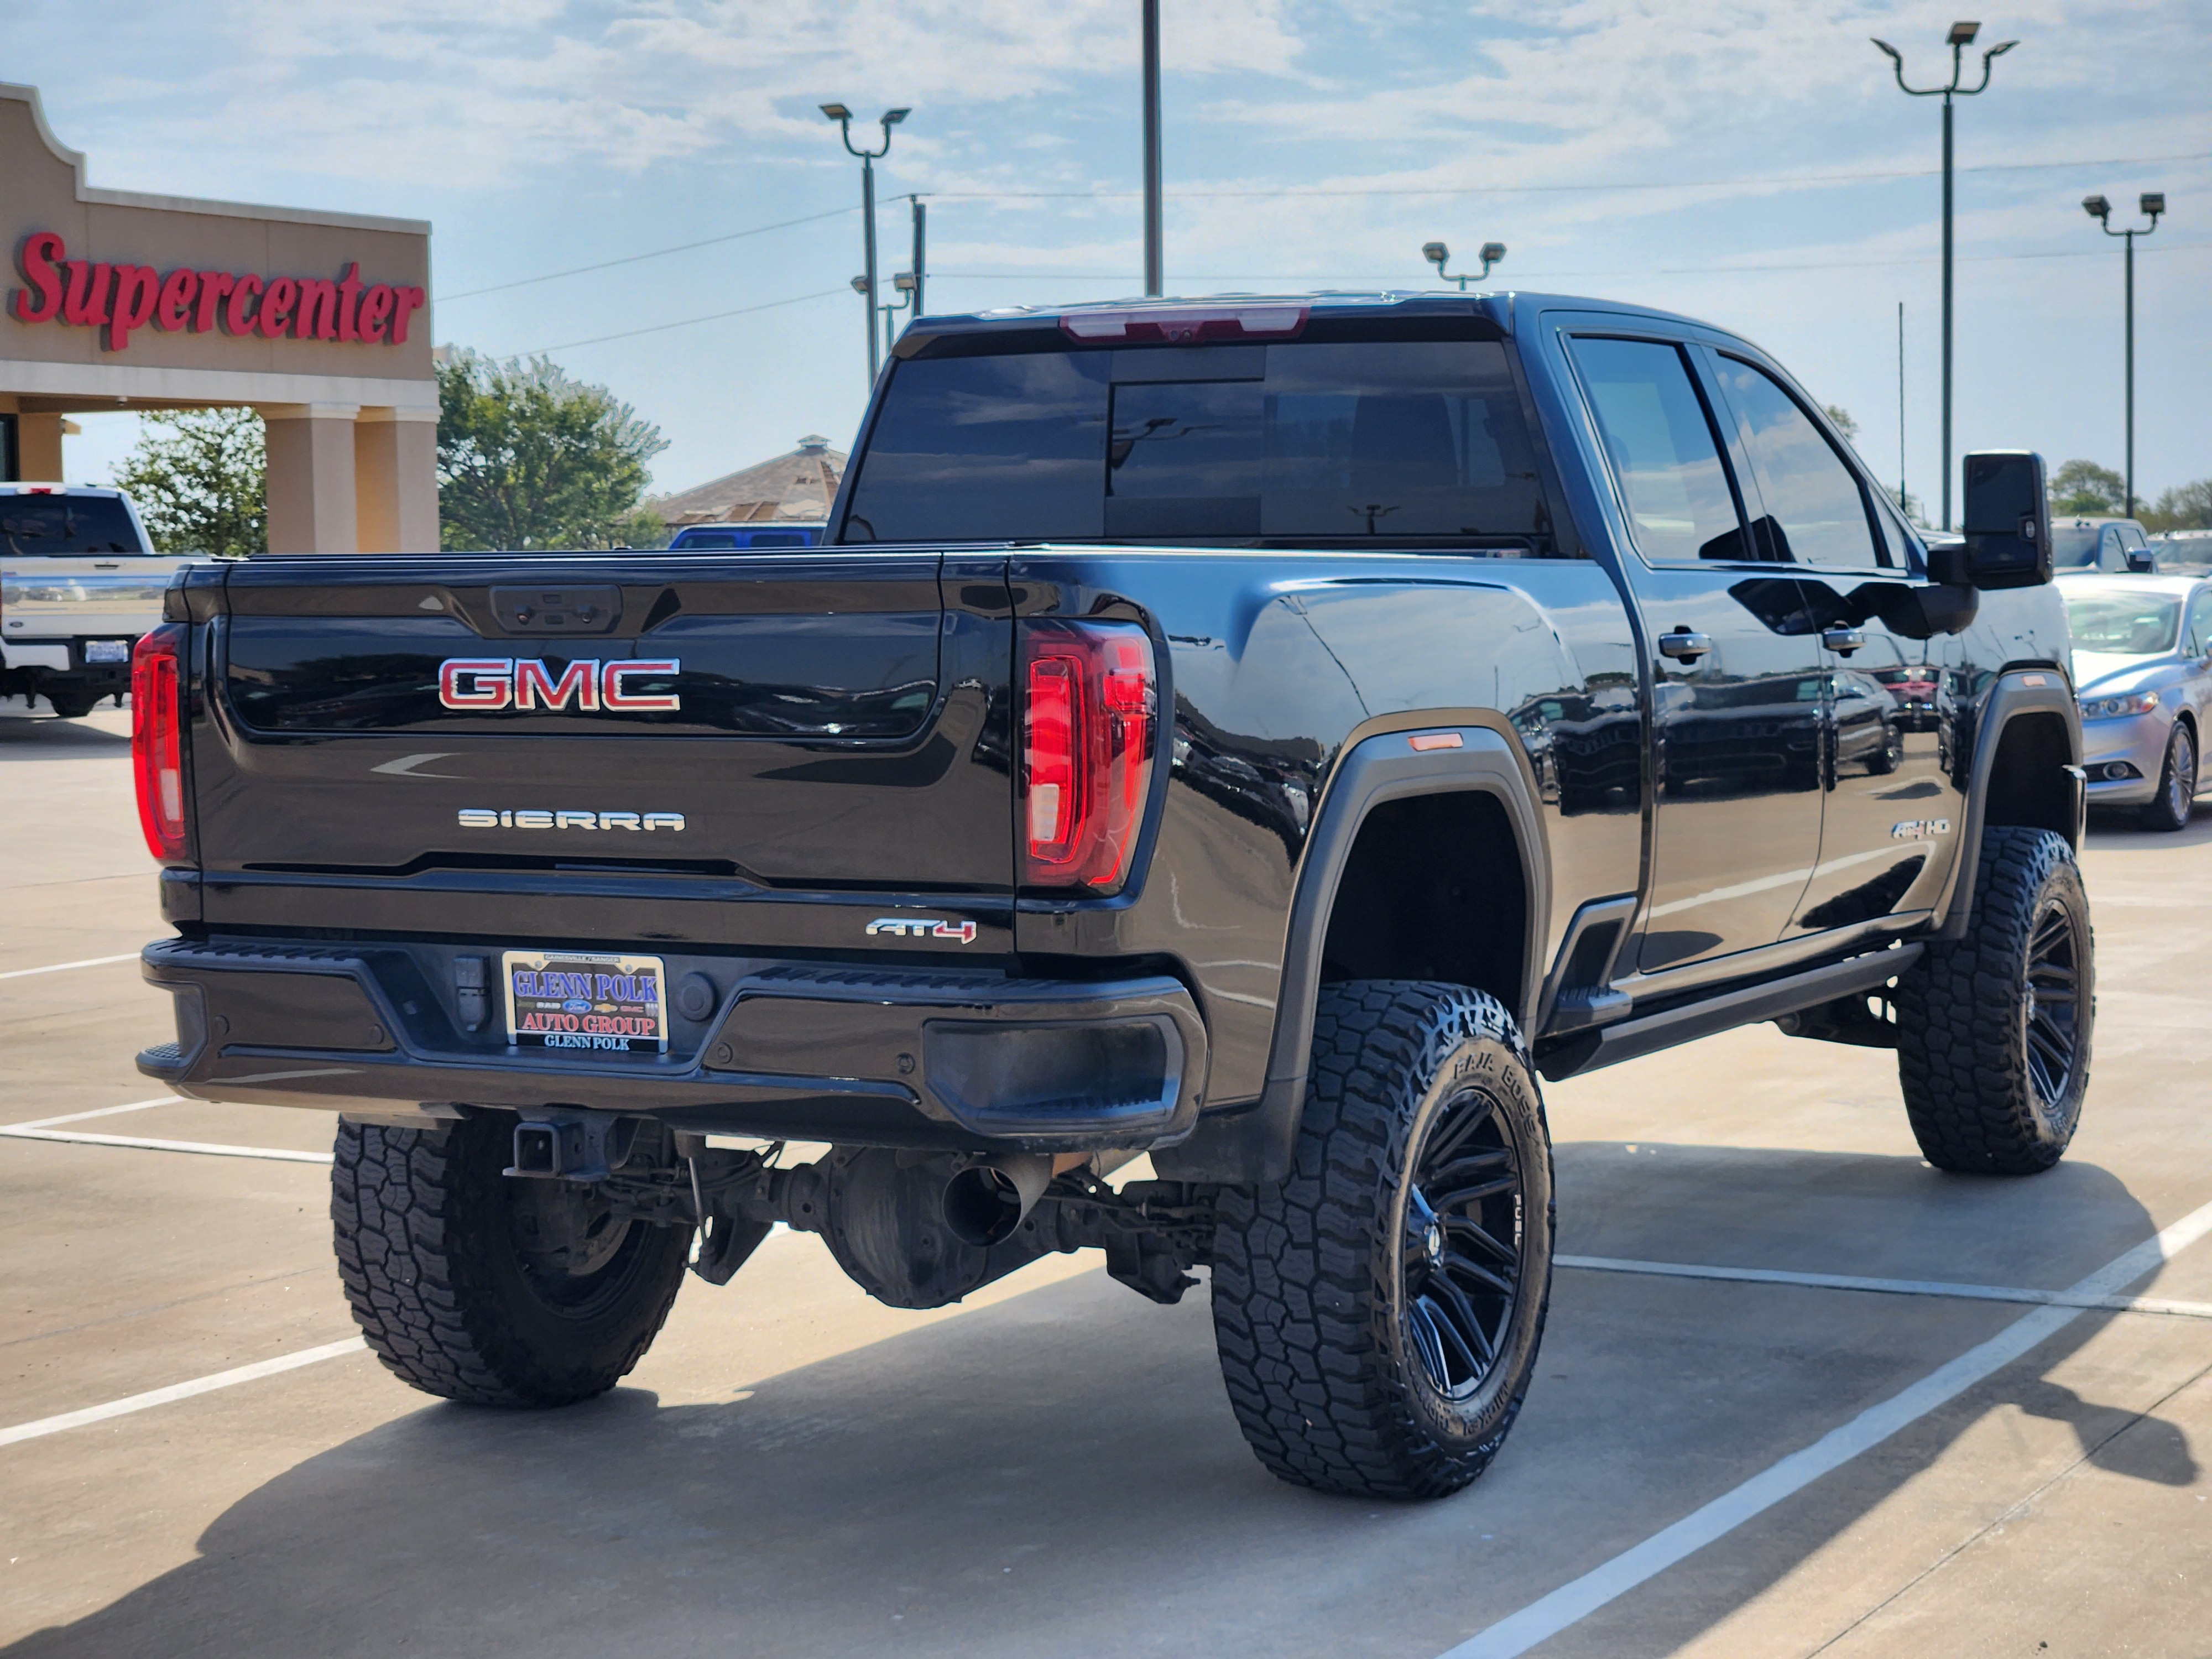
[119, 300]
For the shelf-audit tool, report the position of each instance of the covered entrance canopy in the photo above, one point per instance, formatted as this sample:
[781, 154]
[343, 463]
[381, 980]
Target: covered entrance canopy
[119, 301]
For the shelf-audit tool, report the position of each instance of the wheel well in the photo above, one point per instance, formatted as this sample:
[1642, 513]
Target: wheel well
[1434, 890]
[2028, 783]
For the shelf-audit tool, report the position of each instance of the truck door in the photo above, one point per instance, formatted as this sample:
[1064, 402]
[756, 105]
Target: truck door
[1891, 808]
[1737, 672]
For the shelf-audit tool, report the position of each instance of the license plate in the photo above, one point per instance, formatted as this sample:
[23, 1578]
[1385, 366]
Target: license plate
[577, 1002]
[107, 651]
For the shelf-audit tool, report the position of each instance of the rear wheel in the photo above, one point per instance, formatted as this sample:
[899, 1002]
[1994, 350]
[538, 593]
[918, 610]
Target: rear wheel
[1993, 1028]
[471, 1284]
[2177, 783]
[1379, 1312]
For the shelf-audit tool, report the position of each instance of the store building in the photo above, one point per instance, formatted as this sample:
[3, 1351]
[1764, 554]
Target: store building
[116, 299]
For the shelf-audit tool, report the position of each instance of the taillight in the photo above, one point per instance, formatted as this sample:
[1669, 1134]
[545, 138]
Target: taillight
[157, 744]
[1089, 718]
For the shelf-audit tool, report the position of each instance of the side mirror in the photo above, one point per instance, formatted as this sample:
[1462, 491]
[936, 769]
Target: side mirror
[2142, 561]
[2008, 519]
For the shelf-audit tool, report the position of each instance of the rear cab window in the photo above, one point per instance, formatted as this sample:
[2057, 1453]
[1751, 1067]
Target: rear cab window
[58, 524]
[1305, 442]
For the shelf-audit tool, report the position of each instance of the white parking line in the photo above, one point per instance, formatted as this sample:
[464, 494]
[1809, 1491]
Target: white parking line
[62, 967]
[100, 1111]
[1573, 1601]
[1937, 1287]
[211, 1149]
[139, 1402]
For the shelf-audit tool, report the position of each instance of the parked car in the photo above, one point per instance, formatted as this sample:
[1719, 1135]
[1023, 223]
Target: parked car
[1263, 735]
[79, 584]
[738, 538]
[2142, 668]
[2102, 543]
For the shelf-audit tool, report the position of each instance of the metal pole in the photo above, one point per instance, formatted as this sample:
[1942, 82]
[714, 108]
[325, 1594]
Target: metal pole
[1947, 310]
[868, 235]
[1901, 496]
[920, 246]
[2129, 510]
[1155, 273]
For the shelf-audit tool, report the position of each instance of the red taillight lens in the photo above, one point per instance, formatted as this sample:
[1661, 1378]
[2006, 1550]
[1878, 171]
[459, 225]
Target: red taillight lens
[157, 745]
[1088, 726]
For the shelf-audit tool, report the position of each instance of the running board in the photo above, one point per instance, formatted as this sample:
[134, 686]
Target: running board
[1747, 1005]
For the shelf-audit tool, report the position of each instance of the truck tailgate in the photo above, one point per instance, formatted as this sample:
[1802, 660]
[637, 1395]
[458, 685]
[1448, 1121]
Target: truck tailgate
[653, 741]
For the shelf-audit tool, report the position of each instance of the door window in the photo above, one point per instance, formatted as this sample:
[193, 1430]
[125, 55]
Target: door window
[1814, 511]
[2197, 642]
[1664, 452]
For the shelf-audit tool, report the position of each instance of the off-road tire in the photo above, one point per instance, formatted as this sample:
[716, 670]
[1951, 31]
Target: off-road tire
[440, 1288]
[1965, 1010]
[2170, 809]
[1311, 1310]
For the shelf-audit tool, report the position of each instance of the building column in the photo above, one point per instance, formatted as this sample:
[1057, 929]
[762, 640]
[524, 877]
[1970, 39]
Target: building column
[311, 477]
[396, 480]
[39, 448]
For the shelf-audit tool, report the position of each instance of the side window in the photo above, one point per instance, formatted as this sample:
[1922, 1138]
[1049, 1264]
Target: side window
[1663, 449]
[2198, 640]
[1814, 511]
[1898, 540]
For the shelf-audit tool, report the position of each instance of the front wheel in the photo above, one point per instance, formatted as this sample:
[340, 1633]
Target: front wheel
[2177, 783]
[502, 1291]
[1993, 1028]
[1379, 1312]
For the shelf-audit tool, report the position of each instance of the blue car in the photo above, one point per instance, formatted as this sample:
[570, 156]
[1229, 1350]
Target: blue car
[737, 537]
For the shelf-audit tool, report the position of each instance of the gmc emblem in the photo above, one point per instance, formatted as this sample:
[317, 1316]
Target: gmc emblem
[482, 685]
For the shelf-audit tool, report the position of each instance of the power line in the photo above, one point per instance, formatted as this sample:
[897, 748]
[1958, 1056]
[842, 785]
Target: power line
[652, 253]
[1542, 190]
[712, 317]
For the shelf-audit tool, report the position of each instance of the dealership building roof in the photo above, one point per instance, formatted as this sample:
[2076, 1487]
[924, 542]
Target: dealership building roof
[797, 485]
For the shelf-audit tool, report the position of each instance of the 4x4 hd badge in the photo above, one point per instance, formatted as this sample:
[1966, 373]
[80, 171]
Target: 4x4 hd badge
[923, 927]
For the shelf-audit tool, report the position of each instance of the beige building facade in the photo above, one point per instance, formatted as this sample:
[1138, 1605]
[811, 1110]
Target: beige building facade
[114, 299]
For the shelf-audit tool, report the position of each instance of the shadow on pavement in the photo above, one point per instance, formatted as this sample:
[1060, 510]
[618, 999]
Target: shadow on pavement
[1058, 1473]
[44, 736]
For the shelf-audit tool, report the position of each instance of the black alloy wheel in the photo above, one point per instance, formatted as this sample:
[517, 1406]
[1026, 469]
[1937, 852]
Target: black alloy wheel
[1460, 1268]
[2052, 1008]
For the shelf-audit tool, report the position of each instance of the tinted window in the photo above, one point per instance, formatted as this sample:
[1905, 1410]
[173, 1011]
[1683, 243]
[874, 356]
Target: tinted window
[2073, 544]
[986, 449]
[2198, 640]
[709, 540]
[67, 524]
[1813, 510]
[1663, 449]
[1292, 443]
[779, 538]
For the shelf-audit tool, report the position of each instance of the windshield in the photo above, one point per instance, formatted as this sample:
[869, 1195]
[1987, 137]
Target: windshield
[2073, 544]
[67, 524]
[2124, 624]
[1295, 443]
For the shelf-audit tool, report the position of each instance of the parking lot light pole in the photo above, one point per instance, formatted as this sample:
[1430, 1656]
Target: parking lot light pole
[865, 283]
[1961, 36]
[1437, 253]
[1155, 249]
[2153, 203]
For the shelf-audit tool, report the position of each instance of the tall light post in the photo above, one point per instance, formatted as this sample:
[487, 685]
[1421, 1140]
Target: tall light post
[865, 283]
[1961, 36]
[1437, 253]
[1154, 253]
[2153, 203]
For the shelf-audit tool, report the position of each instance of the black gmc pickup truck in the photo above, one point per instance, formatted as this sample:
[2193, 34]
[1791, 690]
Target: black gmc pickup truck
[1265, 735]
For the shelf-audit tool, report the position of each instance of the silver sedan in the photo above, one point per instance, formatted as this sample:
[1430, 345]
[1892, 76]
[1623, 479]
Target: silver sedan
[2142, 668]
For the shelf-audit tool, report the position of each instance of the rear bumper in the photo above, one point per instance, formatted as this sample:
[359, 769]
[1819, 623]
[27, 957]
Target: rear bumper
[859, 1055]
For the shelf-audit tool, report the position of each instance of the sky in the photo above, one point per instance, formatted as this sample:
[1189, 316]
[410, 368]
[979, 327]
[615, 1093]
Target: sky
[1753, 165]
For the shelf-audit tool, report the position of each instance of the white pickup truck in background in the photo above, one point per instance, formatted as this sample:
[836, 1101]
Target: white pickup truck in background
[79, 583]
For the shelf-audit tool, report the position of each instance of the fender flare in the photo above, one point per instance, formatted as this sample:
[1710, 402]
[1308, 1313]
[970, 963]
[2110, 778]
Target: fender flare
[2017, 691]
[1254, 1142]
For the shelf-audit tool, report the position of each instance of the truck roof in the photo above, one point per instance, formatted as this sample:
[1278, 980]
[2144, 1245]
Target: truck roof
[1253, 316]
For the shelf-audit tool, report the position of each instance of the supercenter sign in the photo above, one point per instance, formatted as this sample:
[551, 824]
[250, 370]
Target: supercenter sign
[121, 299]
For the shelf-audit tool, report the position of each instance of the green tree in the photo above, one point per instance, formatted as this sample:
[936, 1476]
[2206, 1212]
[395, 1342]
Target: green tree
[200, 479]
[1840, 418]
[2085, 487]
[2189, 507]
[528, 457]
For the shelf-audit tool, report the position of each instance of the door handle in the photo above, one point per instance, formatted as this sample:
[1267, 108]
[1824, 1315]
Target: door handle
[1844, 640]
[1684, 646]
